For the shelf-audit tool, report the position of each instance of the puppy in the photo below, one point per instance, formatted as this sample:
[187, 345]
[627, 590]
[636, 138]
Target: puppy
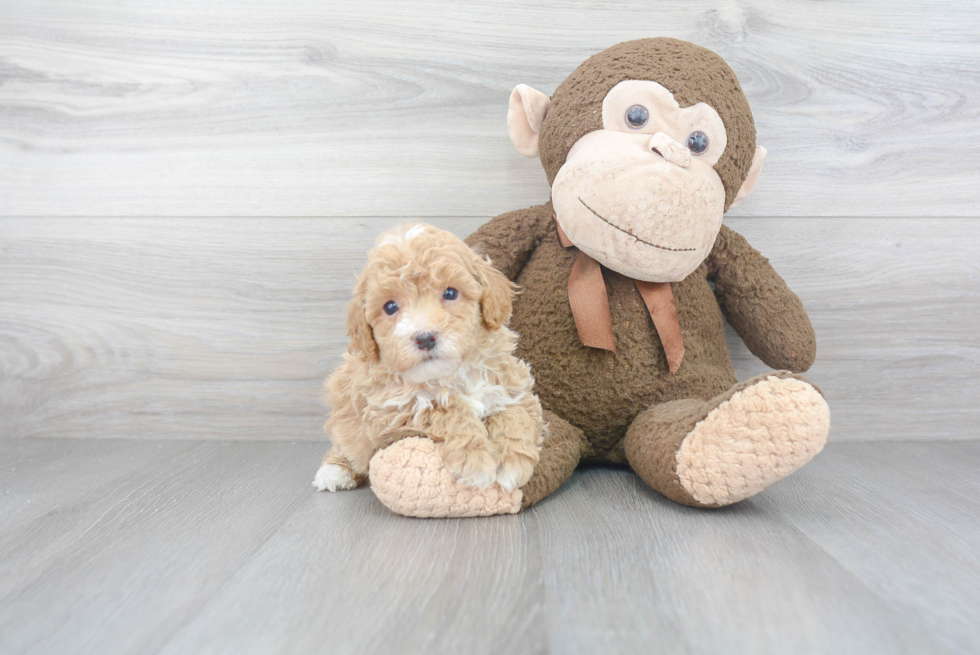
[430, 355]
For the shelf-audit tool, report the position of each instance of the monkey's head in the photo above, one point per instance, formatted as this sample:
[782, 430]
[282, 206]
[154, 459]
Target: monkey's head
[646, 146]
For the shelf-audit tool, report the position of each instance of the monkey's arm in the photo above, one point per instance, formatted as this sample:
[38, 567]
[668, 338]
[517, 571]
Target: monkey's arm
[765, 313]
[510, 238]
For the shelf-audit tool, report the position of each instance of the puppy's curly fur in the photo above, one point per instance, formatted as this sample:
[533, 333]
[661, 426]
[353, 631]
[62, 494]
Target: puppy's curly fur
[430, 355]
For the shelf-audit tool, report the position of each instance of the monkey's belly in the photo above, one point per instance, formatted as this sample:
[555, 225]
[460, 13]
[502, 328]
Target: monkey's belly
[599, 391]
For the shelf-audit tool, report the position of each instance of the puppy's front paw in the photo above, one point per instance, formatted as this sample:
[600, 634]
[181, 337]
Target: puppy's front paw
[514, 472]
[474, 467]
[332, 477]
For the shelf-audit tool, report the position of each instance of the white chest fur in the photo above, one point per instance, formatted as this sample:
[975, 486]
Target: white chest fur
[470, 384]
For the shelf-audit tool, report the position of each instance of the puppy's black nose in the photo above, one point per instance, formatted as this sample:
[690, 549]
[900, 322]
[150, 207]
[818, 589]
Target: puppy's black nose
[425, 340]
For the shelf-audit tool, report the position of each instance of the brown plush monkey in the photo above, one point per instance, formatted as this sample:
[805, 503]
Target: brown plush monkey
[628, 272]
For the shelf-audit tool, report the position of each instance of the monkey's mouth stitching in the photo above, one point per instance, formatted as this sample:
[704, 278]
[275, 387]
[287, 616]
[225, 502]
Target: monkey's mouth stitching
[633, 235]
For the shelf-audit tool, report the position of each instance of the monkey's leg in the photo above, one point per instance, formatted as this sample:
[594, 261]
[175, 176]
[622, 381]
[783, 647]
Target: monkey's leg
[718, 452]
[409, 478]
[563, 448]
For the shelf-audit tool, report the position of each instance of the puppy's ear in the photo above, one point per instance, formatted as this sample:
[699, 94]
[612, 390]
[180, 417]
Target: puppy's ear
[362, 343]
[495, 303]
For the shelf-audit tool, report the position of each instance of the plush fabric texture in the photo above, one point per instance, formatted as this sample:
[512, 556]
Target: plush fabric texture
[590, 307]
[756, 301]
[643, 216]
[563, 449]
[410, 479]
[696, 436]
[652, 442]
[692, 73]
[753, 176]
[715, 453]
[601, 393]
[525, 113]
[759, 435]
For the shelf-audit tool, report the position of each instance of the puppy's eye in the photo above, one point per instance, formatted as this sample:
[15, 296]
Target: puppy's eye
[390, 307]
[637, 116]
[697, 142]
[450, 294]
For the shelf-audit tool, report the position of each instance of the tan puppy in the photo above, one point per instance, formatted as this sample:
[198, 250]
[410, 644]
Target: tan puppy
[430, 355]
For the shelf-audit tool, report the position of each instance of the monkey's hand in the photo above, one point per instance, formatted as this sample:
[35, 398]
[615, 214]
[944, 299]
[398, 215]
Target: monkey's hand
[765, 313]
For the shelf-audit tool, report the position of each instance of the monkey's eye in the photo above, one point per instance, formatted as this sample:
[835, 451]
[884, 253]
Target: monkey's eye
[637, 116]
[697, 142]
[390, 307]
[450, 294]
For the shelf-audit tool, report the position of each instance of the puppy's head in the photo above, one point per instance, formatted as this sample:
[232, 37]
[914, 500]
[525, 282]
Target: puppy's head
[425, 303]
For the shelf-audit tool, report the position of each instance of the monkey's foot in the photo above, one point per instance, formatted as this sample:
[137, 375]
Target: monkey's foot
[410, 479]
[762, 432]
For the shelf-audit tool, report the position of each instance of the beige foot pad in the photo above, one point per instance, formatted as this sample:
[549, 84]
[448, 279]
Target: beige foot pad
[410, 479]
[758, 436]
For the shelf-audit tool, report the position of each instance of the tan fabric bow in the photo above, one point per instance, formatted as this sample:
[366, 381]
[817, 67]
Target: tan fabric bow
[590, 307]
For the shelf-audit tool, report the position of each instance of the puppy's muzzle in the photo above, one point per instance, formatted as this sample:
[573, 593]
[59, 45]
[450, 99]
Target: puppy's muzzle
[425, 340]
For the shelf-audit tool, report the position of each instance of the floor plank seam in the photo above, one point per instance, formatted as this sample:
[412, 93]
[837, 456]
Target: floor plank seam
[227, 579]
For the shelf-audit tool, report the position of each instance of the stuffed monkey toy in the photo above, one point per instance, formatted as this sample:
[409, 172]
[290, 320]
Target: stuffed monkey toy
[627, 275]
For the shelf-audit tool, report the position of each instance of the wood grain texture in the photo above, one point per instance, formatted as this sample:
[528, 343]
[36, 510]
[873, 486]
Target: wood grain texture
[40, 474]
[313, 108]
[344, 575]
[224, 328]
[926, 491]
[128, 561]
[226, 548]
[645, 573]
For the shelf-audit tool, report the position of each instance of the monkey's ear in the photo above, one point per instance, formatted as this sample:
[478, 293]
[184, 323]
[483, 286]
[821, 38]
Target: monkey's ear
[525, 115]
[362, 343]
[751, 178]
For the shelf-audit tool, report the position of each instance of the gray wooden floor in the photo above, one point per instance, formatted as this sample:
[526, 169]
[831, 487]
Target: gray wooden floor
[129, 546]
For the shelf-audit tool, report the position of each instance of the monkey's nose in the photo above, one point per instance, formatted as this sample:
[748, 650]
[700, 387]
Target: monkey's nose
[425, 340]
[670, 150]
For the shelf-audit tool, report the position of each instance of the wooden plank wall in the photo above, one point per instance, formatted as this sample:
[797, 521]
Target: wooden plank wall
[186, 190]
